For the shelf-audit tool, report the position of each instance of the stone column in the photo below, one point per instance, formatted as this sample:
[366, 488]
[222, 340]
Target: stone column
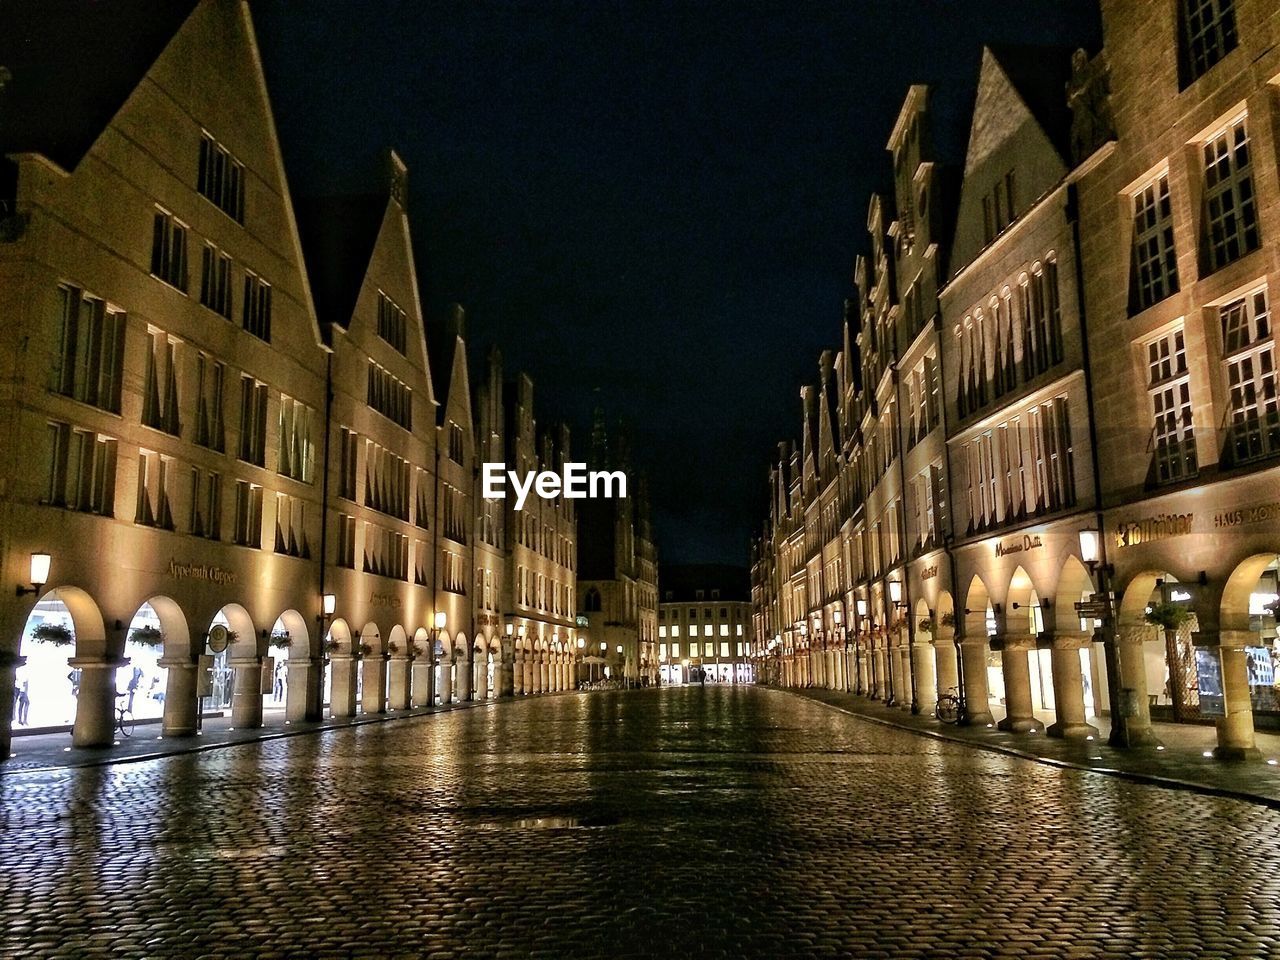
[304, 693]
[506, 675]
[527, 666]
[95, 721]
[9, 664]
[1235, 730]
[879, 689]
[1068, 687]
[945, 659]
[974, 653]
[464, 679]
[543, 675]
[904, 673]
[400, 679]
[862, 658]
[1133, 677]
[342, 685]
[1019, 716]
[924, 655]
[446, 683]
[373, 689]
[180, 702]
[422, 688]
[246, 692]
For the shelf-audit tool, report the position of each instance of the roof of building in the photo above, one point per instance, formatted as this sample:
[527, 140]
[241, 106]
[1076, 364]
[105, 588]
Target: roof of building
[684, 580]
[58, 100]
[1040, 74]
[338, 236]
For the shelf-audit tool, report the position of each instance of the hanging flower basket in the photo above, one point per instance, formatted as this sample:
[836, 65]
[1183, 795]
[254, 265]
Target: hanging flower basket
[147, 636]
[925, 625]
[1167, 616]
[365, 649]
[393, 647]
[948, 619]
[280, 641]
[332, 646]
[54, 634]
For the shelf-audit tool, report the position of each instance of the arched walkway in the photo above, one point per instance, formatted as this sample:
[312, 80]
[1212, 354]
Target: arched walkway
[977, 615]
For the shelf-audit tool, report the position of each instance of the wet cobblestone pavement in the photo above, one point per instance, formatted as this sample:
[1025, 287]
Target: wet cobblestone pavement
[678, 822]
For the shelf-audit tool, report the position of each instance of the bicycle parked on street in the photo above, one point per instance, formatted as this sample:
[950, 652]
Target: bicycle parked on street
[124, 716]
[948, 708]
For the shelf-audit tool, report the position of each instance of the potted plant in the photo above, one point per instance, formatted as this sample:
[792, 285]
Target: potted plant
[1169, 618]
[280, 641]
[147, 636]
[54, 634]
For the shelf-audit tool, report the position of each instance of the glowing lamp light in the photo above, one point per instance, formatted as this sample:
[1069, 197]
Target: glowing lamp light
[441, 619]
[862, 606]
[837, 616]
[619, 648]
[1090, 545]
[40, 569]
[895, 591]
[511, 628]
[581, 643]
[328, 604]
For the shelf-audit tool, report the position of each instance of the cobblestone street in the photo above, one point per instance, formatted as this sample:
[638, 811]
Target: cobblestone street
[675, 822]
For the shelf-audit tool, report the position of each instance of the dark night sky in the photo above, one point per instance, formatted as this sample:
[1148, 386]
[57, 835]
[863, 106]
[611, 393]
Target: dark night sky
[653, 206]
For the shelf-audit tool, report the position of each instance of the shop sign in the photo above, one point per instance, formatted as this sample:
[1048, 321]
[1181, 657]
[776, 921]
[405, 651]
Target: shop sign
[1209, 682]
[200, 571]
[1256, 514]
[928, 573]
[384, 600]
[487, 619]
[1150, 529]
[1026, 542]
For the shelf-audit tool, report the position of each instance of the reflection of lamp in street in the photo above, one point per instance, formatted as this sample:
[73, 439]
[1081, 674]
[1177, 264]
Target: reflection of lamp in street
[39, 574]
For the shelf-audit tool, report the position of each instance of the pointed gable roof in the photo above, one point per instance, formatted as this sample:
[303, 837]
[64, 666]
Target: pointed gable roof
[1039, 75]
[58, 101]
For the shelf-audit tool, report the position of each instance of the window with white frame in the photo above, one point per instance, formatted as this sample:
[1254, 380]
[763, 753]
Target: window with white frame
[169, 250]
[297, 446]
[248, 529]
[220, 178]
[160, 385]
[1231, 211]
[291, 532]
[215, 280]
[253, 421]
[155, 493]
[1249, 355]
[257, 307]
[206, 504]
[89, 351]
[1155, 260]
[1169, 386]
[391, 322]
[211, 378]
[82, 470]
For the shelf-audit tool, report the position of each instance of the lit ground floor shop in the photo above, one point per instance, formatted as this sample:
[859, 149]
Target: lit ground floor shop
[1189, 600]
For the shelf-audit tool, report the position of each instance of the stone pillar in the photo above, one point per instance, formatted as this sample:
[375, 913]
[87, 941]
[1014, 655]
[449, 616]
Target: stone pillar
[9, 664]
[180, 702]
[246, 692]
[373, 686]
[1133, 677]
[862, 660]
[902, 674]
[879, 688]
[446, 683]
[974, 653]
[1068, 687]
[400, 680]
[304, 689]
[1235, 730]
[1019, 716]
[543, 675]
[422, 688]
[530, 675]
[924, 655]
[945, 654]
[95, 721]
[464, 679]
[506, 675]
[342, 685]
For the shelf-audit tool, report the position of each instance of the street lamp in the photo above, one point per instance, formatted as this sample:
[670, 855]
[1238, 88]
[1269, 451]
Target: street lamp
[329, 604]
[38, 574]
[1093, 553]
